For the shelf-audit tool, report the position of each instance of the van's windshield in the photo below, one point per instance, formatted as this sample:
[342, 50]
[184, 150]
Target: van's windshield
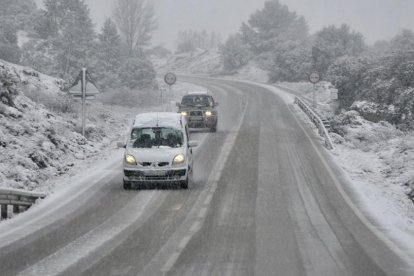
[156, 137]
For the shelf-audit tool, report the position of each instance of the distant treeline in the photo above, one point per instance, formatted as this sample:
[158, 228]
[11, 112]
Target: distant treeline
[279, 41]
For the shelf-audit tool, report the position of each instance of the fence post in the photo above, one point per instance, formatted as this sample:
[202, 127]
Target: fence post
[3, 211]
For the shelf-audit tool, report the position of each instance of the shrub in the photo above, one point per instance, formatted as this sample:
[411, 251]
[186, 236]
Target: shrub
[59, 103]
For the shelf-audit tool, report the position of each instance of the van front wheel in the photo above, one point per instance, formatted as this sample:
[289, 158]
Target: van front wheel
[127, 185]
[184, 185]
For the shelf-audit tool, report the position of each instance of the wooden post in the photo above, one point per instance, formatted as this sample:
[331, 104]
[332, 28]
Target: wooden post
[16, 209]
[3, 211]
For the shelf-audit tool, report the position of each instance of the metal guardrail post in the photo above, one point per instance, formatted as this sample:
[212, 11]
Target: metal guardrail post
[19, 199]
[317, 121]
[3, 211]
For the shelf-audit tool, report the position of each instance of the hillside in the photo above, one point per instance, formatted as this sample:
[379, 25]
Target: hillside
[40, 132]
[197, 62]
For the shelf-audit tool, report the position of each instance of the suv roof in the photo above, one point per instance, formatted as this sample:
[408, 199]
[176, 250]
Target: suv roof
[161, 119]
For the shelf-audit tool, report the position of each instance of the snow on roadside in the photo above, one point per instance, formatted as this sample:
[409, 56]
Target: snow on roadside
[40, 145]
[379, 160]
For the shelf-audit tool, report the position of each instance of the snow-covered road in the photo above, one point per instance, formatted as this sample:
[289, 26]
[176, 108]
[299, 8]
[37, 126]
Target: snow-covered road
[267, 200]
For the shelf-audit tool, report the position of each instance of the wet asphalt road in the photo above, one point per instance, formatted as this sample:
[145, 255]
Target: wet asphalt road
[266, 200]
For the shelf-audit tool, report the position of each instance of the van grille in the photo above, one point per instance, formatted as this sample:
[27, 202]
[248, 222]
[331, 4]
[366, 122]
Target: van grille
[154, 164]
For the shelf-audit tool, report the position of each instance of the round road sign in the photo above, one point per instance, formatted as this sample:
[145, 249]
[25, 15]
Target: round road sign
[314, 77]
[170, 78]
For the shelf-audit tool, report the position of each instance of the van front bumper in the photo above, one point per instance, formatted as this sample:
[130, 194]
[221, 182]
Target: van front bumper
[155, 176]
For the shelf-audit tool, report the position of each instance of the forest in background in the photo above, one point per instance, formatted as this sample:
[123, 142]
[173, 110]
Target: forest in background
[380, 75]
[61, 38]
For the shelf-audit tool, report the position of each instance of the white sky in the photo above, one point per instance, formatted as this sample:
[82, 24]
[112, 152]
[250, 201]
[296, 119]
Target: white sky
[375, 19]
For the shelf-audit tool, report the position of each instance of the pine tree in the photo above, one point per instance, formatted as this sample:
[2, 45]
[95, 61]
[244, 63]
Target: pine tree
[109, 56]
[332, 43]
[67, 30]
[272, 24]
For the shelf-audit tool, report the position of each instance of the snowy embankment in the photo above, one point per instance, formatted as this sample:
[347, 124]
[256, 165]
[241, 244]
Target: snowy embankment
[196, 62]
[40, 130]
[378, 158]
[207, 62]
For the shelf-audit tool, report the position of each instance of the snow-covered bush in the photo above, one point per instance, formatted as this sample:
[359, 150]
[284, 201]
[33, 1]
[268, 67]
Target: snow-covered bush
[59, 103]
[234, 53]
[131, 98]
[361, 133]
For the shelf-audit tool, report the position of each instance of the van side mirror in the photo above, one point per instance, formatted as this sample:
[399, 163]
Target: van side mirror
[121, 145]
[178, 104]
[192, 144]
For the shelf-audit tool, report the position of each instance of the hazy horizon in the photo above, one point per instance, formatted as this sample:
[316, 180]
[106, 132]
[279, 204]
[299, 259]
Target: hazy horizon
[375, 19]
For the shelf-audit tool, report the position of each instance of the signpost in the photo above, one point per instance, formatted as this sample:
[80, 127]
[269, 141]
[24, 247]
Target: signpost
[170, 79]
[314, 78]
[83, 88]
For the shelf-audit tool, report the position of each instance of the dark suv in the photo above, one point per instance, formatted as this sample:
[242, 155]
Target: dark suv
[200, 110]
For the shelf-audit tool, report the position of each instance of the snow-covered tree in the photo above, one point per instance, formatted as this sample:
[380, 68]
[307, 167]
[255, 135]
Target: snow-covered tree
[331, 43]
[137, 72]
[189, 40]
[108, 56]
[14, 16]
[68, 37]
[273, 23]
[17, 12]
[277, 39]
[290, 61]
[9, 49]
[347, 75]
[234, 53]
[136, 21]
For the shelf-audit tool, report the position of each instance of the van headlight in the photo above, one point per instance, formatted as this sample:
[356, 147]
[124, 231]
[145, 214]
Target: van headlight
[130, 159]
[208, 113]
[178, 159]
[184, 113]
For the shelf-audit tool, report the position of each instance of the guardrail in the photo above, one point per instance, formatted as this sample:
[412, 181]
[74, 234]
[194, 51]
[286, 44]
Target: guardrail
[19, 200]
[319, 123]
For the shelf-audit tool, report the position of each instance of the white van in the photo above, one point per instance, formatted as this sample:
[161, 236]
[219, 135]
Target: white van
[158, 151]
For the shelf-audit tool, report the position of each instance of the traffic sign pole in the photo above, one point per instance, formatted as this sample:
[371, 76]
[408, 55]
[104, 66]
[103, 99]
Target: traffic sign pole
[314, 78]
[170, 80]
[83, 100]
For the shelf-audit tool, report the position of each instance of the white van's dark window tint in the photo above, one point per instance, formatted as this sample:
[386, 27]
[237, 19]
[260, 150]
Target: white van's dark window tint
[156, 137]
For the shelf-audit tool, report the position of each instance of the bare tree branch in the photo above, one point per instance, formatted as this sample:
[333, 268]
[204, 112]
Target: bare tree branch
[135, 21]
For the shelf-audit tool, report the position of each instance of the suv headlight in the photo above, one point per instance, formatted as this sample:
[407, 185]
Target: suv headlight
[184, 113]
[209, 113]
[178, 159]
[130, 159]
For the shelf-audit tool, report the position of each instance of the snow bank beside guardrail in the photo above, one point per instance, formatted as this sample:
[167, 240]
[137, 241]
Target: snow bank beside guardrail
[317, 121]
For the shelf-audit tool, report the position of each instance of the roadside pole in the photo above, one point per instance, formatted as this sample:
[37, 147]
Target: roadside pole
[83, 88]
[170, 80]
[83, 100]
[314, 78]
[314, 96]
[162, 99]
